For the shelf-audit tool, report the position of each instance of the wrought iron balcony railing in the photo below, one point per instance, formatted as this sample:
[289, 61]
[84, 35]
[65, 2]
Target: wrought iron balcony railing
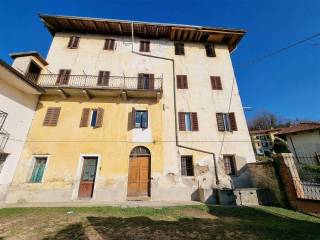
[3, 117]
[4, 137]
[92, 81]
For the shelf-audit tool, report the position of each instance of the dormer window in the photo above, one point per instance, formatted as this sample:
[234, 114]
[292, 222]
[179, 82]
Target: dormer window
[73, 42]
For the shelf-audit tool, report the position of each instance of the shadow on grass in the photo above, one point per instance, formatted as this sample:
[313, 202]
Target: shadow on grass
[72, 231]
[229, 223]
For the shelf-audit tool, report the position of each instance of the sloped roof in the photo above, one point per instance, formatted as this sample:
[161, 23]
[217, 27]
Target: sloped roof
[301, 127]
[174, 32]
[17, 77]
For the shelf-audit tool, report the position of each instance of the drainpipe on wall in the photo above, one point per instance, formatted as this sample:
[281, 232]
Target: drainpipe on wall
[175, 105]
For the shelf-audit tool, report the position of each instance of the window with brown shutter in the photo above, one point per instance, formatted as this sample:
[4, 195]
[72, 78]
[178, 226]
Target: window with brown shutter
[229, 164]
[182, 82]
[186, 166]
[103, 78]
[144, 46]
[52, 116]
[84, 117]
[216, 83]
[233, 122]
[63, 77]
[226, 122]
[73, 42]
[179, 48]
[188, 121]
[145, 81]
[210, 50]
[109, 44]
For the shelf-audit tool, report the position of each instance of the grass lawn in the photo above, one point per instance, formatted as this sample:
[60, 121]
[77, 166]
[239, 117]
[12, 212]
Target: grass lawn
[184, 222]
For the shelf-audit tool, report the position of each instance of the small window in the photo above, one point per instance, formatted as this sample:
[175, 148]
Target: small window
[141, 119]
[226, 122]
[3, 157]
[109, 44]
[188, 121]
[229, 164]
[52, 116]
[186, 166]
[144, 46]
[73, 42]
[179, 48]
[38, 169]
[210, 50]
[182, 82]
[216, 83]
[92, 117]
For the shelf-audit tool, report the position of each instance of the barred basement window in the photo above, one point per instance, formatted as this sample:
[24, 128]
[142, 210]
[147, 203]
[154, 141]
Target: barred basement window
[186, 166]
[229, 164]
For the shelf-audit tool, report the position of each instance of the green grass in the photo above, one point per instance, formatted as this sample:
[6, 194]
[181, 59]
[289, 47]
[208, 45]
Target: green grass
[183, 222]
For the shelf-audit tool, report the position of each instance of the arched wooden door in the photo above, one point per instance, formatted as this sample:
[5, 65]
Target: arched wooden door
[139, 173]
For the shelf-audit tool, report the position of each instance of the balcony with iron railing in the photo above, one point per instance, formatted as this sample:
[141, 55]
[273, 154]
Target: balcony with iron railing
[4, 135]
[3, 117]
[93, 85]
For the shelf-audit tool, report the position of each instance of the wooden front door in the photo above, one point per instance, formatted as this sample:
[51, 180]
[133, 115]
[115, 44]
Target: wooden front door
[88, 177]
[139, 177]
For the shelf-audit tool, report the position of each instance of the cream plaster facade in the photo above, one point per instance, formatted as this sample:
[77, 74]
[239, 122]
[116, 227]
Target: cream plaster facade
[62, 176]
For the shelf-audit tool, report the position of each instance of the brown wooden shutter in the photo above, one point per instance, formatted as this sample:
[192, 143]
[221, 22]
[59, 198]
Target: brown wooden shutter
[52, 116]
[185, 82]
[76, 42]
[140, 81]
[66, 76]
[220, 123]
[103, 78]
[73, 42]
[84, 117]
[179, 83]
[99, 121]
[233, 123]
[182, 124]
[151, 81]
[112, 44]
[194, 121]
[147, 46]
[70, 42]
[133, 118]
[216, 83]
[141, 46]
[100, 77]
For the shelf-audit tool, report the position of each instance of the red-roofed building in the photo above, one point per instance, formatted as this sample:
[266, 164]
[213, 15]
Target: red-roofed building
[303, 138]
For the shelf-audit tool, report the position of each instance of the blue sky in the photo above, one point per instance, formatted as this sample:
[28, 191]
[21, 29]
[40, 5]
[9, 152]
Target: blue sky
[287, 84]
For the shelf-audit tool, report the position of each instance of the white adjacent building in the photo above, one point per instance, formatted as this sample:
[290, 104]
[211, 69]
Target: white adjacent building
[18, 101]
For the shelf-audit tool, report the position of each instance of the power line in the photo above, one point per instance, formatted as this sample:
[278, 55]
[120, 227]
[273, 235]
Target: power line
[276, 52]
